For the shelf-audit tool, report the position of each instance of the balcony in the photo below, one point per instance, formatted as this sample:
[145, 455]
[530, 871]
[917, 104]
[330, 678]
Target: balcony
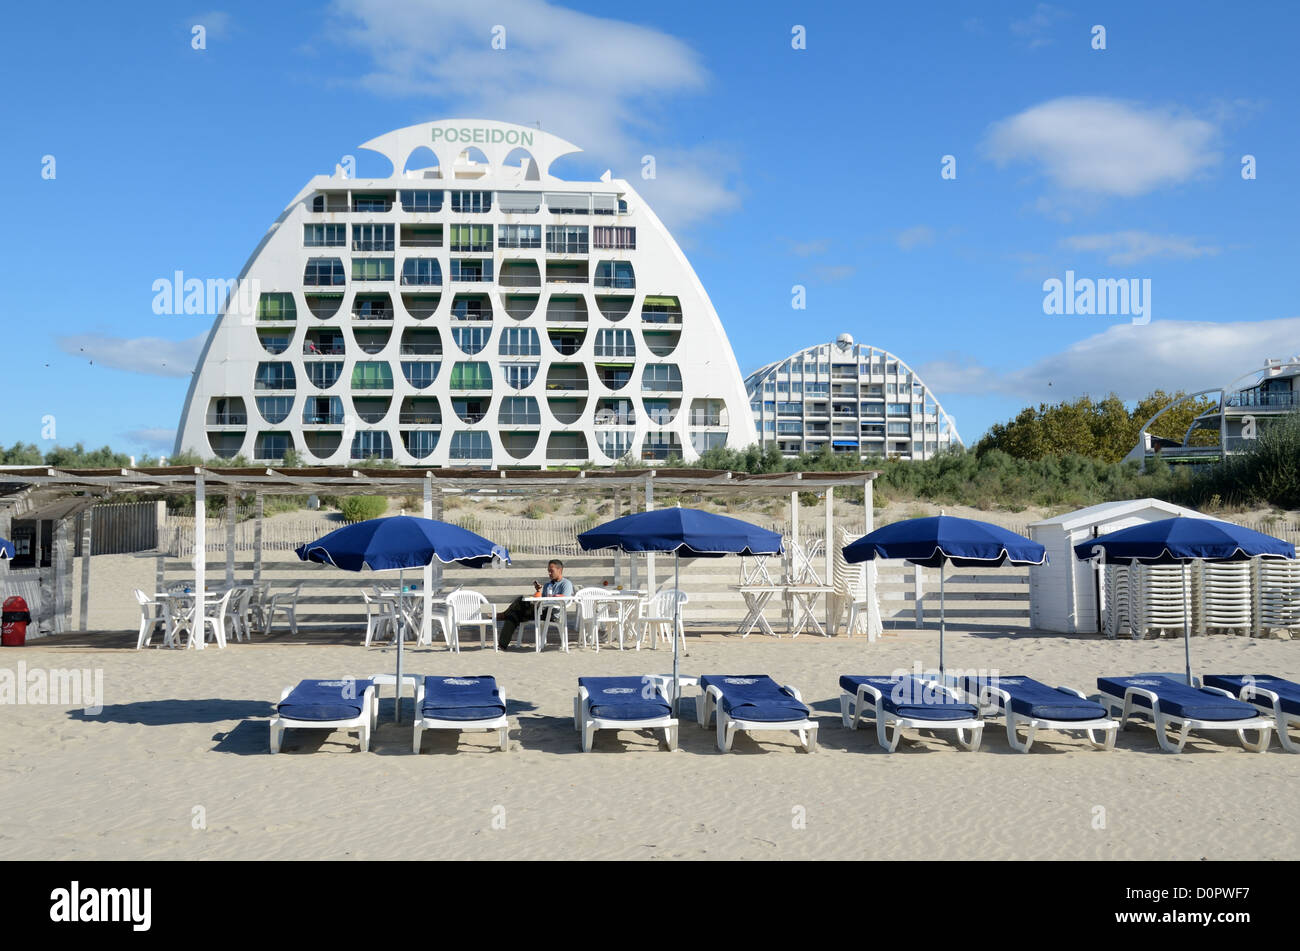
[567, 272]
[332, 349]
[322, 419]
[521, 307]
[705, 419]
[376, 204]
[421, 236]
[420, 419]
[1256, 399]
[520, 419]
[566, 344]
[614, 282]
[379, 312]
[566, 383]
[226, 419]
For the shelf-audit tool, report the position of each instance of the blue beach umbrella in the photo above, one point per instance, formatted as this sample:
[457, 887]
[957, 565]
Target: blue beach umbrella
[1181, 541]
[687, 533]
[398, 543]
[940, 540]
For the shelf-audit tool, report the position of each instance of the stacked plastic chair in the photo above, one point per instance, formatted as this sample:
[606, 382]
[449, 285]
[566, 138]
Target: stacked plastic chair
[1222, 598]
[1118, 617]
[1276, 595]
[1156, 596]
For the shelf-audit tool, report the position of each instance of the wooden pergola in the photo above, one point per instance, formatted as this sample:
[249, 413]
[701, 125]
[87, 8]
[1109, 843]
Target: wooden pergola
[432, 485]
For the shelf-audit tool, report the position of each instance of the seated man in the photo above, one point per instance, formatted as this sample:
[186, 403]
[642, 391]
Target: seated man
[521, 610]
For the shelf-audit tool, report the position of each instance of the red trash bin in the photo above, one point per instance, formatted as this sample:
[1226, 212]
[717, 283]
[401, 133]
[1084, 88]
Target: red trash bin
[13, 622]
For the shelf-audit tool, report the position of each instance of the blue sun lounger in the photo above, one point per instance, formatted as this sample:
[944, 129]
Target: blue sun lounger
[1023, 701]
[343, 704]
[460, 703]
[753, 703]
[1270, 695]
[1169, 702]
[911, 703]
[622, 703]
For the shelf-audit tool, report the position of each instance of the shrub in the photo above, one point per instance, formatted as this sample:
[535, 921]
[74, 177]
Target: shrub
[358, 508]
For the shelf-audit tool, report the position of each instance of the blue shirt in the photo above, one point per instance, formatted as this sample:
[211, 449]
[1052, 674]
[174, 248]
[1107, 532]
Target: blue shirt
[561, 588]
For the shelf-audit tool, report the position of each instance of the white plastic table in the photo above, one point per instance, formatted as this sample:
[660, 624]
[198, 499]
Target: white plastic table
[626, 604]
[756, 598]
[561, 601]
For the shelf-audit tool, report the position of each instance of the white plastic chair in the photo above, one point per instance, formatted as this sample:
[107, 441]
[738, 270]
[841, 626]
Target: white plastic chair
[152, 614]
[255, 615]
[237, 612]
[210, 614]
[656, 617]
[286, 603]
[862, 608]
[379, 616]
[466, 609]
[593, 614]
[554, 618]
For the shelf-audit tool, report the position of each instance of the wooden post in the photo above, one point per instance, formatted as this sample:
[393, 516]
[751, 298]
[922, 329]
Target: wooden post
[230, 536]
[200, 556]
[87, 528]
[874, 624]
[650, 556]
[62, 564]
[618, 555]
[260, 504]
[426, 626]
[830, 557]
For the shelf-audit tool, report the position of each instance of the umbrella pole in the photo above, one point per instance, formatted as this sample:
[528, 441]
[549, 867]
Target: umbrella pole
[676, 615]
[942, 620]
[1187, 627]
[397, 710]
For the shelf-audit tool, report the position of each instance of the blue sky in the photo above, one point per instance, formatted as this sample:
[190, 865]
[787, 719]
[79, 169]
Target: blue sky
[775, 167]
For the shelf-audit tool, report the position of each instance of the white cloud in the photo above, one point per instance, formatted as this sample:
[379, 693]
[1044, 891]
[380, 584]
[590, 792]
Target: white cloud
[805, 249]
[157, 438]
[1129, 247]
[601, 83]
[1034, 29]
[915, 237]
[1104, 145]
[1130, 360]
[830, 273]
[217, 23]
[155, 356]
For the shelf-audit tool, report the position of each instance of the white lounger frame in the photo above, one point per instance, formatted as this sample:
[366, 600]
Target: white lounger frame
[1268, 702]
[1127, 710]
[501, 723]
[989, 706]
[868, 704]
[710, 702]
[363, 723]
[586, 724]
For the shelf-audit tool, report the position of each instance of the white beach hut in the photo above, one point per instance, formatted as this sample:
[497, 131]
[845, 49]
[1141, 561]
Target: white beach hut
[1065, 594]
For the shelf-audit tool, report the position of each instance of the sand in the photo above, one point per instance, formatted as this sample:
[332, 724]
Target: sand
[176, 766]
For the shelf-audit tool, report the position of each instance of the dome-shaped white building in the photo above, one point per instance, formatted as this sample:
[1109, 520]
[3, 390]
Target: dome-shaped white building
[474, 310]
[859, 400]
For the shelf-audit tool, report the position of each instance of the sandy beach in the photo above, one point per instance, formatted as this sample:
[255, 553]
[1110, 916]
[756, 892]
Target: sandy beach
[176, 766]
